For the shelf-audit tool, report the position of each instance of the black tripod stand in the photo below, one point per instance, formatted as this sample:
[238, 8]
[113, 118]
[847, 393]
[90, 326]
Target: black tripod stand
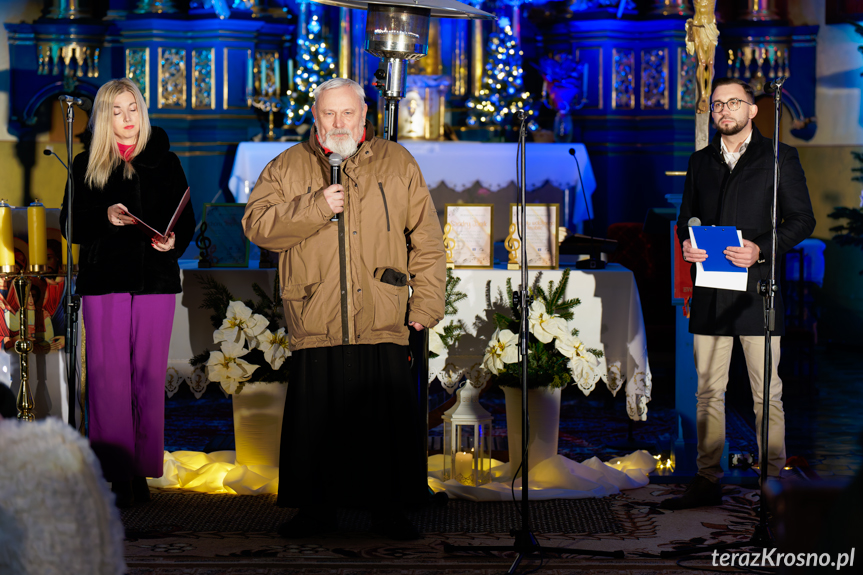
[762, 535]
[525, 542]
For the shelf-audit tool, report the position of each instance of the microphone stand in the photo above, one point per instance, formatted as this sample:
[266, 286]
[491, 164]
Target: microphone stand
[594, 260]
[73, 302]
[525, 542]
[762, 535]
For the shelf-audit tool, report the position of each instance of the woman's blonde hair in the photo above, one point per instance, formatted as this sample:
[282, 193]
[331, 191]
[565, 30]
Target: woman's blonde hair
[104, 153]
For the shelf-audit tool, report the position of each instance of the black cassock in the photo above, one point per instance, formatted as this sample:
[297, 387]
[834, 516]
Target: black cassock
[352, 432]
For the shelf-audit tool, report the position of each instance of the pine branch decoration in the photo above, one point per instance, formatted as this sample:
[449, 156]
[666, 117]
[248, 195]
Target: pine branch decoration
[452, 297]
[217, 297]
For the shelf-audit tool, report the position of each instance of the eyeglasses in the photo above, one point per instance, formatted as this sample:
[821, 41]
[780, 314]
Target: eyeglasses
[733, 105]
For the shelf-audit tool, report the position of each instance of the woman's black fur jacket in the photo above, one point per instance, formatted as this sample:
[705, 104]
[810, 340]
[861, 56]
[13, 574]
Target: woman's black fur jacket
[120, 259]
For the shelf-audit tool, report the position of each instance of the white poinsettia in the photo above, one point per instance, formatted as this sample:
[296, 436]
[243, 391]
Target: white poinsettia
[543, 326]
[436, 344]
[275, 347]
[502, 349]
[240, 325]
[569, 345]
[227, 368]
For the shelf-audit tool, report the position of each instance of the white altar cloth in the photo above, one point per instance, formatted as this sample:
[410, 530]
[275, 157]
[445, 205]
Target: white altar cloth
[609, 318]
[458, 165]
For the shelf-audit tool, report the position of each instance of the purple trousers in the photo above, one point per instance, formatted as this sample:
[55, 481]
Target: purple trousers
[127, 343]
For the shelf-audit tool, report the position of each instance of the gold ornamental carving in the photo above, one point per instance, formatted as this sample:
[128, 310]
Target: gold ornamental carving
[448, 245]
[512, 245]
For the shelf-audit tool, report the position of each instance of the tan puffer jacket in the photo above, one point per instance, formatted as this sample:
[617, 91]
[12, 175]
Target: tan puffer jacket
[390, 224]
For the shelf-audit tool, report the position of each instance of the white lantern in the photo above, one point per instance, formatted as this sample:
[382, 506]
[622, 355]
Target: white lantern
[467, 438]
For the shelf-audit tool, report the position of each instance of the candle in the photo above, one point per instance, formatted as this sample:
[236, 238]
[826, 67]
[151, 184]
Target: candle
[75, 250]
[263, 75]
[290, 74]
[464, 465]
[37, 238]
[7, 246]
[278, 74]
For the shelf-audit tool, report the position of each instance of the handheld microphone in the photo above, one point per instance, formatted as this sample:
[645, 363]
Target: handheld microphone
[48, 152]
[336, 176]
[693, 222]
[776, 84]
[84, 103]
[594, 262]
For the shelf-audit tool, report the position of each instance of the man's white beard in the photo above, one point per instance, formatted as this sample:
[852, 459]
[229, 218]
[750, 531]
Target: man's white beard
[345, 147]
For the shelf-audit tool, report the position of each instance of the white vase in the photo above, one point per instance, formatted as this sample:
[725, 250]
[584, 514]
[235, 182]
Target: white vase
[258, 412]
[543, 408]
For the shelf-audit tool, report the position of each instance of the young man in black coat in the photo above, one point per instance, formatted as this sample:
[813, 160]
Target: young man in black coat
[730, 183]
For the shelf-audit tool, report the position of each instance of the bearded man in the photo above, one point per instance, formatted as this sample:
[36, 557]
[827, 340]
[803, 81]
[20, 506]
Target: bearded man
[730, 183]
[351, 435]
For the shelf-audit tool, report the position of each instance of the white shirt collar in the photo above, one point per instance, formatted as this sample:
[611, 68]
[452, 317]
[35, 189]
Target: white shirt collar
[743, 146]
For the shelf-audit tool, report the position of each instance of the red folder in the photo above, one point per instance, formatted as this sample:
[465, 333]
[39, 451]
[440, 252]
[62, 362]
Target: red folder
[162, 237]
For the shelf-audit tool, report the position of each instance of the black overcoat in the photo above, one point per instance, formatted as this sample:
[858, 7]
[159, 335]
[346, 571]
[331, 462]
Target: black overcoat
[120, 259]
[742, 198]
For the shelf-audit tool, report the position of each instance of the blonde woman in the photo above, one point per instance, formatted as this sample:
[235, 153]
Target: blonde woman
[127, 282]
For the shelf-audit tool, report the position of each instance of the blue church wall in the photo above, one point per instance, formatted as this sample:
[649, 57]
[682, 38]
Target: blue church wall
[638, 120]
[194, 74]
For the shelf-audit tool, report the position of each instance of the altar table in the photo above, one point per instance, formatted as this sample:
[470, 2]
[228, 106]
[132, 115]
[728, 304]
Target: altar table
[609, 318]
[458, 166]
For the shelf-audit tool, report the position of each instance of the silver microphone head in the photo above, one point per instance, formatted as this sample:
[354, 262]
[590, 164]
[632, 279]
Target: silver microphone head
[336, 160]
[694, 222]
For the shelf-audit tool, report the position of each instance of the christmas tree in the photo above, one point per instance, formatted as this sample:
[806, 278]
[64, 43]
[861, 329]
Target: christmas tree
[315, 65]
[502, 92]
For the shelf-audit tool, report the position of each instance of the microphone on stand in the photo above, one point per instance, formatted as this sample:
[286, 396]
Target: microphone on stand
[86, 104]
[336, 176]
[776, 84]
[594, 262]
[49, 152]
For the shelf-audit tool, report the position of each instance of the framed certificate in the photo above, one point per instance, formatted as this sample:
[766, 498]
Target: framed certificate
[468, 230]
[224, 228]
[541, 235]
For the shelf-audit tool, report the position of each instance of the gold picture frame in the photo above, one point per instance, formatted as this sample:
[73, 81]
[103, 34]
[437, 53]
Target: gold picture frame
[470, 227]
[543, 223]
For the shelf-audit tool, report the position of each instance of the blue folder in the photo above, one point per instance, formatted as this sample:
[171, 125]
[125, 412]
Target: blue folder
[715, 239]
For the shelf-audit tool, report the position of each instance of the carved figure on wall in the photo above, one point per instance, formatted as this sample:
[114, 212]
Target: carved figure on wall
[702, 37]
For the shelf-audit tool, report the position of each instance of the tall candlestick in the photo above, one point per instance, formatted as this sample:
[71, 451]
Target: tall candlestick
[7, 244]
[263, 75]
[37, 237]
[278, 75]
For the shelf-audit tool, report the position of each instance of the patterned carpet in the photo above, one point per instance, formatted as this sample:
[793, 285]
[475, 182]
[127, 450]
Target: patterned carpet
[194, 534]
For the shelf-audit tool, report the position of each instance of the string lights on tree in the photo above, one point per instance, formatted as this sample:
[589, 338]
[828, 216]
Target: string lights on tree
[315, 65]
[502, 92]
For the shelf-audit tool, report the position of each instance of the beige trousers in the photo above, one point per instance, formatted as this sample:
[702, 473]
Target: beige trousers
[712, 362]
